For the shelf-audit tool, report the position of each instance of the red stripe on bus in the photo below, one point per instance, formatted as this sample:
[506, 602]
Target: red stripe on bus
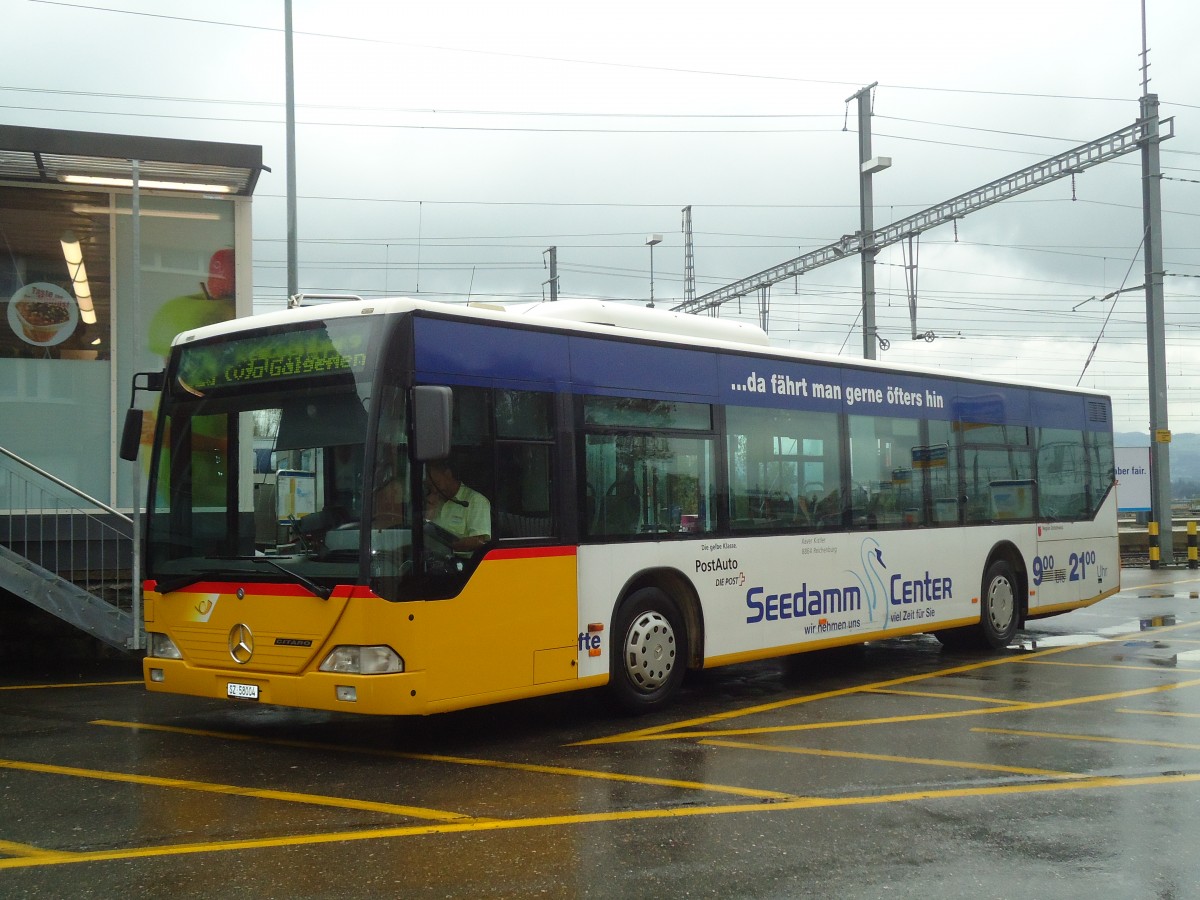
[530, 552]
[258, 588]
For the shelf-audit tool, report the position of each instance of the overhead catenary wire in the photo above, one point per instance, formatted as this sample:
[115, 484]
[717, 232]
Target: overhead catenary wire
[790, 79]
[1113, 306]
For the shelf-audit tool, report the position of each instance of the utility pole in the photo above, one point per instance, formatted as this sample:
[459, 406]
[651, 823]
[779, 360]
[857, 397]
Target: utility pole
[135, 290]
[689, 261]
[553, 280]
[293, 279]
[1156, 341]
[866, 204]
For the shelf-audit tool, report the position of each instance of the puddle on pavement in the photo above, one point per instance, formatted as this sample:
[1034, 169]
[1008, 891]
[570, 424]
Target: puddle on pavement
[1046, 641]
[1153, 652]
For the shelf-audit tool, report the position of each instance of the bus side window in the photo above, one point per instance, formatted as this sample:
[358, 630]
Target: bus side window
[1101, 468]
[649, 484]
[885, 493]
[784, 472]
[523, 501]
[1062, 474]
[522, 507]
[612, 487]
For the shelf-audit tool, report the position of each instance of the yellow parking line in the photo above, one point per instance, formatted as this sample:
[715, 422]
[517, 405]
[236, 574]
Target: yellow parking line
[656, 731]
[647, 733]
[69, 684]
[416, 812]
[464, 761]
[1155, 712]
[1089, 738]
[478, 825]
[882, 757]
[916, 717]
[1047, 662]
[11, 848]
[937, 696]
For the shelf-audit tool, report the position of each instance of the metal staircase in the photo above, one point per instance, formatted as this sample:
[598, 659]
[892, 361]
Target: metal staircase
[67, 553]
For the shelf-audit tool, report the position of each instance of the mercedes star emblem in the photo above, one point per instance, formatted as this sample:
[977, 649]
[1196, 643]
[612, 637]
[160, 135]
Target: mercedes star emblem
[241, 643]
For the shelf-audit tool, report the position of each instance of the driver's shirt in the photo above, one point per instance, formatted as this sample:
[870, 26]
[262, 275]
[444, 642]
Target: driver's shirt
[466, 521]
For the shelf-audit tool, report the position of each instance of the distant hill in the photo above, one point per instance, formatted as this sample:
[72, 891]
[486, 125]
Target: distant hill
[1185, 459]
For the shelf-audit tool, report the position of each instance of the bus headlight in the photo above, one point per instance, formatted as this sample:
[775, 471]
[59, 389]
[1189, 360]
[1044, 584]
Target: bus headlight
[377, 660]
[162, 647]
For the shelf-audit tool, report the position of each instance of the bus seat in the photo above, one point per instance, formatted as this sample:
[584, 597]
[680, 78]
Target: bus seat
[513, 525]
[622, 507]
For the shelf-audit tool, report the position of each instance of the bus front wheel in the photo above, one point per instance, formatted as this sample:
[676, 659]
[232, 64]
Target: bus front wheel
[649, 662]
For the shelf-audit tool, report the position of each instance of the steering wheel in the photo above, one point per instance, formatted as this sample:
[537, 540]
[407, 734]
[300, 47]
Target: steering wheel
[439, 539]
[440, 558]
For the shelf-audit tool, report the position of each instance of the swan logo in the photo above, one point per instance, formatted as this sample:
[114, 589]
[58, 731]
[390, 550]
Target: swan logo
[883, 589]
[871, 580]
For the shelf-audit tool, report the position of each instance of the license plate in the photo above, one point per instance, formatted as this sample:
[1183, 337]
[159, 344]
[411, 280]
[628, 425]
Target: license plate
[243, 691]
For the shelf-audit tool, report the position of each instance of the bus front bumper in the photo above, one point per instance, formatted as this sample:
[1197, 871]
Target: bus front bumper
[394, 694]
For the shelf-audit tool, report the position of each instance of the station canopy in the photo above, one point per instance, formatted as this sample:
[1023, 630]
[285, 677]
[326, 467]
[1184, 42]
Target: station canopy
[52, 156]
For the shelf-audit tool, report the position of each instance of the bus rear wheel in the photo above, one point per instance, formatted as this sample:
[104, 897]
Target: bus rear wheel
[999, 613]
[1000, 604]
[649, 662]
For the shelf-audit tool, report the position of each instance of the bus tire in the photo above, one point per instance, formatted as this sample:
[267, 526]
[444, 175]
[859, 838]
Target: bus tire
[1000, 605]
[999, 613]
[650, 658]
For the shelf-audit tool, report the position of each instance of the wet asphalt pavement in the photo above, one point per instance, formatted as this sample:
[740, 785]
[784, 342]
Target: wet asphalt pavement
[1066, 766]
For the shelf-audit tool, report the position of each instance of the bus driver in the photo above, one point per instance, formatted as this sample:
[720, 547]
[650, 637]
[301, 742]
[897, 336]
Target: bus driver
[460, 510]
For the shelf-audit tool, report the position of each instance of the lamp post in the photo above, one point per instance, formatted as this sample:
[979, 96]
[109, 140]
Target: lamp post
[651, 240]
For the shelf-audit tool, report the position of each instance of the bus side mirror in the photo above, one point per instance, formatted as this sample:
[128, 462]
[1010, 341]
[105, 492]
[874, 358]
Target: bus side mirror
[433, 412]
[131, 434]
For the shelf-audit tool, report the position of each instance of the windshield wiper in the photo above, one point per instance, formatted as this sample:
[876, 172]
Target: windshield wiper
[319, 591]
[167, 585]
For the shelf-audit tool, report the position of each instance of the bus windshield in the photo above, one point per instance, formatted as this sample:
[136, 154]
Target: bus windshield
[261, 457]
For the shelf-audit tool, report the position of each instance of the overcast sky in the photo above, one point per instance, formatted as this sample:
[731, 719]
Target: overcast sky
[442, 147]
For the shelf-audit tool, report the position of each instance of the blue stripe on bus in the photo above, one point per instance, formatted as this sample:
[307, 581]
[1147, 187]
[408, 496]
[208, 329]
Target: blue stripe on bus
[467, 353]
[446, 347]
[456, 352]
[671, 372]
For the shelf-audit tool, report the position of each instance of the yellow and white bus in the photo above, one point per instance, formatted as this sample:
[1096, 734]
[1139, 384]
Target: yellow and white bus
[664, 492]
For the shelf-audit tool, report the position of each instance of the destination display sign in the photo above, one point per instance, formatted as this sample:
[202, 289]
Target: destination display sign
[332, 348]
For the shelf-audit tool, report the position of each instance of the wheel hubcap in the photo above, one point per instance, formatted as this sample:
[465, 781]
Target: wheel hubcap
[650, 651]
[1001, 604]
